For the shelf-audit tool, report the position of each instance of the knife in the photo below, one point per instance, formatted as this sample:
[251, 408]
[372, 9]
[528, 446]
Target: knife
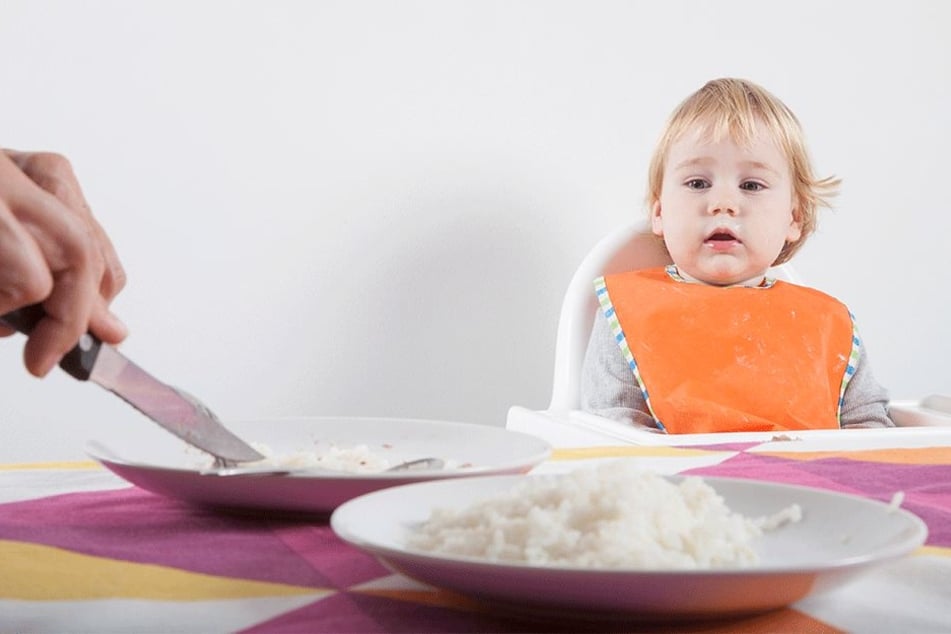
[176, 411]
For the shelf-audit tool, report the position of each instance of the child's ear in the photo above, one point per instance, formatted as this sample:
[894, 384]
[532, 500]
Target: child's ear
[657, 222]
[795, 225]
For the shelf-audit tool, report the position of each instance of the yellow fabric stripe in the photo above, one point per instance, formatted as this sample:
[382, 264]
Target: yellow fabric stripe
[43, 466]
[35, 572]
[913, 455]
[934, 551]
[785, 620]
[588, 453]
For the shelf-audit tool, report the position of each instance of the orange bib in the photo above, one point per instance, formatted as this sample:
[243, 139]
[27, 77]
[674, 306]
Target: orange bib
[712, 359]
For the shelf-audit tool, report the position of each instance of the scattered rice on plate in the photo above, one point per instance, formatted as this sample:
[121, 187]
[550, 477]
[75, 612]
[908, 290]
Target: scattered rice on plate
[356, 459]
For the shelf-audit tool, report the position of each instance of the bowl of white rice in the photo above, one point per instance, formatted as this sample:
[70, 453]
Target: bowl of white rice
[616, 541]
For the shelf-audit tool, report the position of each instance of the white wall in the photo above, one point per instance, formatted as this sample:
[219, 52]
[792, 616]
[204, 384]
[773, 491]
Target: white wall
[373, 208]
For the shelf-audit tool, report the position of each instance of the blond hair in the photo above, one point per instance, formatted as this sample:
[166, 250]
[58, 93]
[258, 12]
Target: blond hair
[737, 107]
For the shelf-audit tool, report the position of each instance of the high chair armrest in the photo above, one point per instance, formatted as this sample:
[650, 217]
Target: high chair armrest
[931, 411]
[917, 426]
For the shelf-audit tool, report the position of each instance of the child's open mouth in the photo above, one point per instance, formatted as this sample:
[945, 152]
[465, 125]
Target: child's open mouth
[722, 240]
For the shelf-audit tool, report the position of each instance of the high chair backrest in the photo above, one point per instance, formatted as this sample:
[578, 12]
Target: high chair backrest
[624, 249]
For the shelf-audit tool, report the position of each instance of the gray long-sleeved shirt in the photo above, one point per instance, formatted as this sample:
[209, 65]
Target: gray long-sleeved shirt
[609, 389]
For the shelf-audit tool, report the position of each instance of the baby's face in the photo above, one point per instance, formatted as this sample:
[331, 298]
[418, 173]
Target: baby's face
[725, 210]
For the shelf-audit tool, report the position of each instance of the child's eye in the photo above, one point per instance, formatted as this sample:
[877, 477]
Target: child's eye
[752, 186]
[697, 183]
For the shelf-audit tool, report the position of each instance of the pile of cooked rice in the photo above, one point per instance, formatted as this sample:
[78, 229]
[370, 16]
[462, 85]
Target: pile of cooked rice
[613, 516]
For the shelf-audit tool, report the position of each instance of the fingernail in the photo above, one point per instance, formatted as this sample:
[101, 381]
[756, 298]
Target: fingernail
[118, 325]
[42, 369]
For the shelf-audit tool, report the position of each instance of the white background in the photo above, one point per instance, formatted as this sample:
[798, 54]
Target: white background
[374, 207]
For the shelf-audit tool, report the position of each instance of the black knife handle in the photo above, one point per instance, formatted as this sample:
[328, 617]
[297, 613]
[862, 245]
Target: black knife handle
[79, 361]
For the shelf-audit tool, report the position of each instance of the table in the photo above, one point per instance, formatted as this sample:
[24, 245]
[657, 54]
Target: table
[82, 551]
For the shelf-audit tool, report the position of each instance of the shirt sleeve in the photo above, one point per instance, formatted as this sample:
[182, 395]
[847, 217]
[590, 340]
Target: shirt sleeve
[608, 387]
[865, 402]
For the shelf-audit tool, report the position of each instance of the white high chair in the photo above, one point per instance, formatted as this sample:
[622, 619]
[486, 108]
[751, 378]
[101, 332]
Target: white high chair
[564, 424]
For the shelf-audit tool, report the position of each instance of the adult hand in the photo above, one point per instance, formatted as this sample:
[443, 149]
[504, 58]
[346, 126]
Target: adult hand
[52, 251]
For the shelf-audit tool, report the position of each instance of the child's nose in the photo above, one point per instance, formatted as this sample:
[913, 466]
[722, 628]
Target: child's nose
[725, 209]
[723, 203]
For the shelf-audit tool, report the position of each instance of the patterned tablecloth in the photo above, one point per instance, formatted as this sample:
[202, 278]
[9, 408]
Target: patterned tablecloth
[81, 551]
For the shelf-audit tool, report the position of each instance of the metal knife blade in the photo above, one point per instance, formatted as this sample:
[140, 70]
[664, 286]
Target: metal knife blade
[177, 412]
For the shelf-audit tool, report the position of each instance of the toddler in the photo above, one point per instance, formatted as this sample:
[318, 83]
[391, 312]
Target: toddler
[710, 343]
